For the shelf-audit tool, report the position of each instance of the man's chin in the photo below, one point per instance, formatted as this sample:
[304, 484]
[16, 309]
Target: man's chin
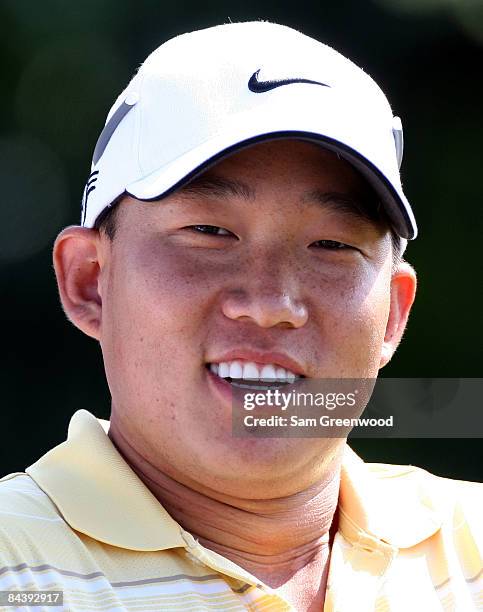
[264, 468]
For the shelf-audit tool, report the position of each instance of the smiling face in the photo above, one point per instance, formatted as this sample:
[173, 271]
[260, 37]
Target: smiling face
[262, 259]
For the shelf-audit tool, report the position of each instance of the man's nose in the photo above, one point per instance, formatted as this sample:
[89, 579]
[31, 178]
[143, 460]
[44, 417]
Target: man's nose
[268, 298]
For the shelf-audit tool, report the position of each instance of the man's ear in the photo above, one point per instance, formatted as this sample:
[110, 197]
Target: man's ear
[403, 290]
[77, 264]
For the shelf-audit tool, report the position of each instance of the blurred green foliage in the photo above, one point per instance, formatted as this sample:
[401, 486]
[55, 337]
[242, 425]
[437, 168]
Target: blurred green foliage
[64, 63]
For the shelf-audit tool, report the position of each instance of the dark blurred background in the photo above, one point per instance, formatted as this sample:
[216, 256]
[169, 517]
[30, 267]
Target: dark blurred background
[63, 65]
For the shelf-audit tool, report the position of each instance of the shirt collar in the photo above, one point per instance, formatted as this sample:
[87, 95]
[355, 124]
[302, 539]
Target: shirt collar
[385, 504]
[98, 494]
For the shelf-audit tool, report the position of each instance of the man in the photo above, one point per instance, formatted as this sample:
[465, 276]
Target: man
[243, 222]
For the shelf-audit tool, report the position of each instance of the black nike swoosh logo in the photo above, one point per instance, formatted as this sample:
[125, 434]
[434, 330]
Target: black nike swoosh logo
[261, 86]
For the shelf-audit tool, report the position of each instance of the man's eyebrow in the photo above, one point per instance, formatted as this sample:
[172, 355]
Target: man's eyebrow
[359, 207]
[209, 185]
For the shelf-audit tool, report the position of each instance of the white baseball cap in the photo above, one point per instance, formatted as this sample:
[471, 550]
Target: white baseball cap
[204, 95]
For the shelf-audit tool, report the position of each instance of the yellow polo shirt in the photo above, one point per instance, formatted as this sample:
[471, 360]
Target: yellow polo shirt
[80, 520]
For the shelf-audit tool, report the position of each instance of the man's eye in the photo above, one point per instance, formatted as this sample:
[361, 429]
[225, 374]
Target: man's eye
[331, 245]
[212, 230]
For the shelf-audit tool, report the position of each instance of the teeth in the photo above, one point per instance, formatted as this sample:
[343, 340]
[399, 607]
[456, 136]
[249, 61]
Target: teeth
[236, 370]
[268, 373]
[281, 374]
[224, 370]
[249, 370]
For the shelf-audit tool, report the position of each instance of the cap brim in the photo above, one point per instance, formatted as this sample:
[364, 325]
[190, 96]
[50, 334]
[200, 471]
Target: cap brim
[180, 171]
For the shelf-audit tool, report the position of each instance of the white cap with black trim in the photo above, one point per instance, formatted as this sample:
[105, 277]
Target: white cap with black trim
[203, 95]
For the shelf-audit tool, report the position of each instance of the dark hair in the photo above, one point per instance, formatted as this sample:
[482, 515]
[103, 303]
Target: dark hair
[106, 223]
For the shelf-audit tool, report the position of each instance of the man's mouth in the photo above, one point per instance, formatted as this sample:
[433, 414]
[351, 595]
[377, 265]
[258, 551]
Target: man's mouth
[252, 375]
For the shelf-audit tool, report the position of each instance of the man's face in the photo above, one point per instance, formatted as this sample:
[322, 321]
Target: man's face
[289, 271]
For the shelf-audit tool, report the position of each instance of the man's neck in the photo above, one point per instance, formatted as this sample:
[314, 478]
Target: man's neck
[282, 541]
